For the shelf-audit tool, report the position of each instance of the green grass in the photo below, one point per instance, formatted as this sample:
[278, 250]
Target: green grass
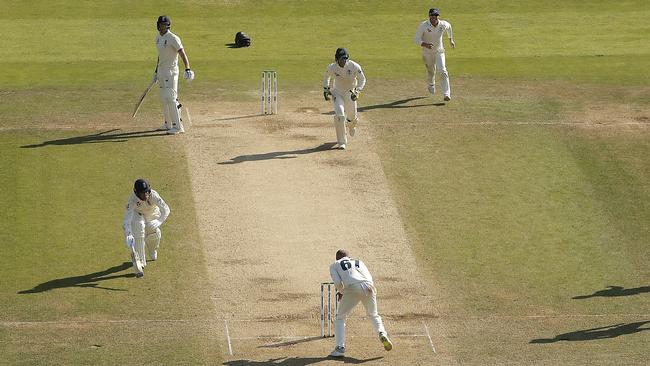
[63, 253]
[511, 217]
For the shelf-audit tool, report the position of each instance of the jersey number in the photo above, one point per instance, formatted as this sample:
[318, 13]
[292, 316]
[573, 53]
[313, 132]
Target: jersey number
[346, 264]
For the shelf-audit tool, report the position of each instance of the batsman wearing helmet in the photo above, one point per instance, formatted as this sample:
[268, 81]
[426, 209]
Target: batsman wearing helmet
[343, 81]
[169, 48]
[145, 213]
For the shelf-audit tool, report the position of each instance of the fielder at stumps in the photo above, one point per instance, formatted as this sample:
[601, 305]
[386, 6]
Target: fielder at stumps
[146, 211]
[354, 283]
[343, 81]
[169, 48]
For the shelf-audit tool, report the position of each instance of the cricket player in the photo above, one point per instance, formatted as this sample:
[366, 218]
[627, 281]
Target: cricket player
[146, 211]
[343, 82]
[429, 37]
[169, 48]
[353, 283]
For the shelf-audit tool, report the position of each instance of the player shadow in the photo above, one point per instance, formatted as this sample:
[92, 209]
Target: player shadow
[278, 154]
[104, 136]
[610, 331]
[88, 280]
[615, 291]
[291, 343]
[299, 361]
[232, 45]
[402, 103]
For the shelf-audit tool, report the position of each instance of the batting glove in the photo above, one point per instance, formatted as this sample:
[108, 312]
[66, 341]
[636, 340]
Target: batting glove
[129, 241]
[189, 75]
[354, 94]
[326, 92]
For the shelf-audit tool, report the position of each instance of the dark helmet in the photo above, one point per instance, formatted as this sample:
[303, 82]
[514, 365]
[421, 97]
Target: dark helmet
[341, 53]
[141, 186]
[164, 19]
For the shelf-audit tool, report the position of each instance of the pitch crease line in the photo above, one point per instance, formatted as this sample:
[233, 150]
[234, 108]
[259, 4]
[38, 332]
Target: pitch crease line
[228, 338]
[429, 336]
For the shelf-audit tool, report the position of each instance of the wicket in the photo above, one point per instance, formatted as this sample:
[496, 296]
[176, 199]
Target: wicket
[269, 92]
[326, 311]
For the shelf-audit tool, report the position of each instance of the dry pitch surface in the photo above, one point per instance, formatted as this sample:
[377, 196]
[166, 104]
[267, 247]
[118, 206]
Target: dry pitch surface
[275, 202]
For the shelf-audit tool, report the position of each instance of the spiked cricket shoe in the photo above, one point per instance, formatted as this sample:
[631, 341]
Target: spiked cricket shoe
[388, 345]
[338, 352]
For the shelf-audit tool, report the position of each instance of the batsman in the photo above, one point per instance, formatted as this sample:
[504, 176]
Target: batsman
[169, 48]
[146, 211]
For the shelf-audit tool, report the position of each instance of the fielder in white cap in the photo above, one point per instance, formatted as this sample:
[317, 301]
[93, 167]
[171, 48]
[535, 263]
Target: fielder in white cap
[354, 284]
[429, 37]
[169, 48]
[343, 81]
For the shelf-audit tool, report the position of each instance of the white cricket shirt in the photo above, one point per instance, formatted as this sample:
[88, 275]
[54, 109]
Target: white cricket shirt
[344, 78]
[168, 46]
[349, 271]
[428, 33]
[152, 208]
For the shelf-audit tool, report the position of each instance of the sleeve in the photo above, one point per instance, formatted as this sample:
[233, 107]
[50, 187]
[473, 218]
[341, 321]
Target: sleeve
[162, 205]
[449, 31]
[361, 79]
[336, 278]
[327, 77]
[177, 43]
[128, 217]
[418, 35]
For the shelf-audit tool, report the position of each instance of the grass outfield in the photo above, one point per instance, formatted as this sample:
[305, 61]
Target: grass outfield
[517, 201]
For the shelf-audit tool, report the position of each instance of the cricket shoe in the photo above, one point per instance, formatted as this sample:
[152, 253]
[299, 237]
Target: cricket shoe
[139, 274]
[431, 89]
[388, 345]
[174, 131]
[447, 98]
[342, 147]
[338, 352]
[164, 127]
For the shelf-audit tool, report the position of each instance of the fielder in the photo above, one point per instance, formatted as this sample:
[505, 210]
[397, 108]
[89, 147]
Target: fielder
[353, 283]
[169, 48]
[429, 37]
[145, 212]
[343, 81]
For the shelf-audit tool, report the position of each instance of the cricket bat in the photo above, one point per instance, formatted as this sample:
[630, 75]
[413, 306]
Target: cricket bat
[144, 94]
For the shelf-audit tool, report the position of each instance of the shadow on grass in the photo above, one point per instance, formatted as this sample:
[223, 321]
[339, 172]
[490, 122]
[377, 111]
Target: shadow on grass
[299, 361]
[610, 331]
[402, 103]
[615, 291]
[88, 280]
[105, 136]
[278, 154]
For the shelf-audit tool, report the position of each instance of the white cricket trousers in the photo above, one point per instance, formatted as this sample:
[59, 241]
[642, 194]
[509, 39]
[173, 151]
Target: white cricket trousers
[435, 63]
[364, 292]
[168, 84]
[145, 235]
[344, 108]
